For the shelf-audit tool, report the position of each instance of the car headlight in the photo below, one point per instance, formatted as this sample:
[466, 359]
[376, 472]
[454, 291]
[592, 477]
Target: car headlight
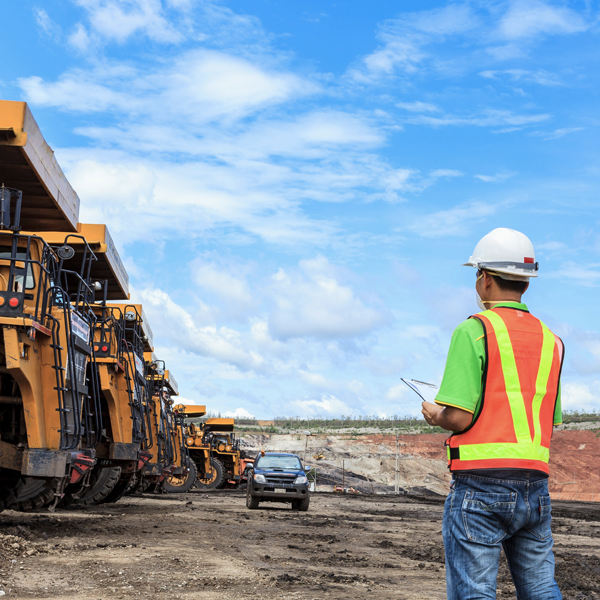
[259, 478]
[301, 479]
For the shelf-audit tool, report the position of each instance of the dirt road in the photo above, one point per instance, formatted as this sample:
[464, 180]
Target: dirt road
[200, 545]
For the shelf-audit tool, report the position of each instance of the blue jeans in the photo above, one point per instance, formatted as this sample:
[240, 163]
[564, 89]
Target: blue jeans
[483, 514]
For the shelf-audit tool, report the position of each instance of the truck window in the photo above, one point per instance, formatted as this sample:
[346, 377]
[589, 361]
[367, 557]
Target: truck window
[278, 462]
[29, 282]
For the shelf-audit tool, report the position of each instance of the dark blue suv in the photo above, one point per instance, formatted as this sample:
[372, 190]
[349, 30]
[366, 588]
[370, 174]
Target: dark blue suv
[277, 477]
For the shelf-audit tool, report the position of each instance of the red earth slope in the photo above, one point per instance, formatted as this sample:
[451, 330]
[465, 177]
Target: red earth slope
[574, 459]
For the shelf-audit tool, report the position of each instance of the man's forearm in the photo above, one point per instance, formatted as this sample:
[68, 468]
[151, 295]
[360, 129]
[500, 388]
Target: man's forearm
[448, 417]
[451, 421]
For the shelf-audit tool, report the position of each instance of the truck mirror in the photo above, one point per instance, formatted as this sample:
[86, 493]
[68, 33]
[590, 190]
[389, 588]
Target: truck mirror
[65, 252]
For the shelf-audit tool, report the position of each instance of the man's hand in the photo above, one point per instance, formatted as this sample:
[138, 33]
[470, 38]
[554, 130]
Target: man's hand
[449, 417]
[431, 412]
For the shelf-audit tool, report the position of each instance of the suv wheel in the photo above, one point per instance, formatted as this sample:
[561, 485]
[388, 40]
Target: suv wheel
[251, 502]
[301, 504]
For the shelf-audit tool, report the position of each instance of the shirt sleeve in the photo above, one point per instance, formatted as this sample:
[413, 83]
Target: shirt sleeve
[558, 409]
[462, 382]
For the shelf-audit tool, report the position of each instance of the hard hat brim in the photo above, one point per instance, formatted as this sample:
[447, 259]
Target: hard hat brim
[508, 274]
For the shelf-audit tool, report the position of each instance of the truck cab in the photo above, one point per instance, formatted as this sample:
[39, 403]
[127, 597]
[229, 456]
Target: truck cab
[277, 477]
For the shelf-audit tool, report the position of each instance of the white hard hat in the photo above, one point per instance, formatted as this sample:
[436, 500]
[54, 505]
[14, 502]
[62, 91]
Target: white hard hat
[505, 252]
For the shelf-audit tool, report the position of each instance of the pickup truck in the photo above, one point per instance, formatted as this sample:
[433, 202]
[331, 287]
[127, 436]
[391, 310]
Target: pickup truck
[277, 477]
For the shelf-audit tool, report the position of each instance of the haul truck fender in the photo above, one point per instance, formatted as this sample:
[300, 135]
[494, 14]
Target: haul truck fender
[111, 393]
[23, 363]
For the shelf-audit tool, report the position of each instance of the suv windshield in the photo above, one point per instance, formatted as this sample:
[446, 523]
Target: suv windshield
[278, 462]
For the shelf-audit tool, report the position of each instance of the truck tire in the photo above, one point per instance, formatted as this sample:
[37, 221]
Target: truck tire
[214, 479]
[178, 484]
[102, 482]
[100, 486]
[251, 502]
[301, 504]
[10, 484]
[119, 490]
[34, 493]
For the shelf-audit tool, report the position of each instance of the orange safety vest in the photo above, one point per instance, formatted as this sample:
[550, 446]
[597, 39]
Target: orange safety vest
[520, 386]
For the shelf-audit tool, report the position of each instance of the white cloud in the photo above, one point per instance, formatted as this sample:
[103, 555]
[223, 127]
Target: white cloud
[451, 305]
[508, 130]
[131, 195]
[78, 39]
[418, 106]
[198, 86]
[580, 396]
[328, 404]
[551, 246]
[586, 275]
[118, 20]
[238, 413]
[498, 177]
[487, 118]
[540, 76]
[206, 388]
[404, 41]
[398, 392]
[449, 40]
[530, 18]
[46, 24]
[220, 343]
[557, 133]
[231, 288]
[437, 173]
[310, 302]
[453, 221]
[74, 91]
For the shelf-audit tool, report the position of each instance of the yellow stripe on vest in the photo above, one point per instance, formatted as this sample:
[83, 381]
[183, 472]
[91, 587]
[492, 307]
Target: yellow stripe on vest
[511, 379]
[541, 382]
[506, 451]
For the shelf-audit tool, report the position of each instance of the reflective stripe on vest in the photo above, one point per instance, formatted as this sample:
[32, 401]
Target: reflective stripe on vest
[526, 451]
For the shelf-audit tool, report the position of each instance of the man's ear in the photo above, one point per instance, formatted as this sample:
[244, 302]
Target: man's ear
[487, 279]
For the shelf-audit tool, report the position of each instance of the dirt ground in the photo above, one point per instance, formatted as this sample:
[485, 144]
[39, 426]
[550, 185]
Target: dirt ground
[208, 545]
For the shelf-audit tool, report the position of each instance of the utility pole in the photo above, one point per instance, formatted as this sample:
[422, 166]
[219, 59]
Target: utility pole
[307, 434]
[397, 487]
[343, 477]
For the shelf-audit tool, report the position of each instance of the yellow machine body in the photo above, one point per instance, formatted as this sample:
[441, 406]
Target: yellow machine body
[28, 163]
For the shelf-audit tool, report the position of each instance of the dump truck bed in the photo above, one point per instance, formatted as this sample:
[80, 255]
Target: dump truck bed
[149, 344]
[191, 410]
[27, 163]
[171, 383]
[221, 424]
[108, 267]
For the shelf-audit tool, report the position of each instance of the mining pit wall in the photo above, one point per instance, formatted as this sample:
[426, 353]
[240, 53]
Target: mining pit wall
[367, 463]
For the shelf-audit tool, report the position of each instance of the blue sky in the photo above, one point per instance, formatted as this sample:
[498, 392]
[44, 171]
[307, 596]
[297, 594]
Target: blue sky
[293, 186]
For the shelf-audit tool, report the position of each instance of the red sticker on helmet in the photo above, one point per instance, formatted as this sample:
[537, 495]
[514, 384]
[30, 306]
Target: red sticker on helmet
[528, 260]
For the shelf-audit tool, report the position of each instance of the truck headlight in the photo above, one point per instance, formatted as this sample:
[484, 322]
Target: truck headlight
[259, 478]
[301, 479]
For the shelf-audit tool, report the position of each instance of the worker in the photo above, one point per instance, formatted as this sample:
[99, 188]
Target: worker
[500, 396]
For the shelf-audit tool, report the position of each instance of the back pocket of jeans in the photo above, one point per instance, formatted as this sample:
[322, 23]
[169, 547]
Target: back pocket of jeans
[486, 517]
[540, 520]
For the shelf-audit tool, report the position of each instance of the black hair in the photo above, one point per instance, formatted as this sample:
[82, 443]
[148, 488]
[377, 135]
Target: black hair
[510, 285]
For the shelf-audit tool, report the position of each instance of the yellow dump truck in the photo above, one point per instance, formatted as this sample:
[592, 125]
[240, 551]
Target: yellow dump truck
[49, 413]
[170, 468]
[215, 440]
[123, 334]
[198, 455]
[118, 338]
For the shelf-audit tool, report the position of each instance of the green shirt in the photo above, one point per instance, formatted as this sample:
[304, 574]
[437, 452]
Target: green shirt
[462, 383]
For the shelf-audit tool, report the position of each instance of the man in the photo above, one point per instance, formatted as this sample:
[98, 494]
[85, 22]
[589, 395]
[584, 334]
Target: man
[500, 395]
